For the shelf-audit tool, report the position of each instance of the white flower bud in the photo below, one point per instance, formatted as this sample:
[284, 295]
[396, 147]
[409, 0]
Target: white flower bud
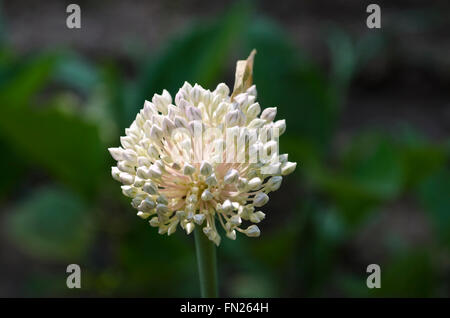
[150, 188]
[143, 161]
[162, 101]
[130, 156]
[256, 123]
[283, 158]
[156, 133]
[149, 110]
[288, 167]
[196, 94]
[207, 230]
[153, 151]
[269, 114]
[260, 199]
[188, 169]
[231, 235]
[180, 122]
[160, 165]
[272, 169]
[167, 126]
[205, 168]
[281, 125]
[115, 172]
[206, 195]
[172, 228]
[172, 111]
[232, 118]
[155, 172]
[254, 110]
[211, 181]
[222, 89]
[252, 231]
[190, 208]
[252, 91]
[154, 222]
[129, 191]
[143, 215]
[227, 206]
[257, 217]
[221, 110]
[161, 208]
[192, 198]
[274, 183]
[216, 239]
[231, 176]
[147, 205]
[242, 184]
[181, 214]
[189, 227]
[187, 87]
[254, 183]
[116, 153]
[199, 218]
[126, 142]
[236, 220]
[193, 113]
[136, 202]
[260, 215]
[162, 199]
[167, 97]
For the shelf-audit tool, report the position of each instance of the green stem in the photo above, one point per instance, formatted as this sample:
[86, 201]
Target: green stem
[207, 267]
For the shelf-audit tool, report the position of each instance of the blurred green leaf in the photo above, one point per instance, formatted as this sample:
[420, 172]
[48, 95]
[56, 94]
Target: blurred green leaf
[154, 263]
[434, 197]
[25, 77]
[64, 144]
[369, 173]
[16, 168]
[316, 248]
[375, 164]
[76, 72]
[352, 285]
[51, 223]
[343, 58]
[348, 56]
[420, 157]
[409, 274]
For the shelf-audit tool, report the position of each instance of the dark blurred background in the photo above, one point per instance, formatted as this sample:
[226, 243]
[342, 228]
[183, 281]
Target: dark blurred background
[368, 121]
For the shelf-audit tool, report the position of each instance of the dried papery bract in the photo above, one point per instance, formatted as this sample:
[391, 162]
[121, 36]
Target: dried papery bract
[180, 168]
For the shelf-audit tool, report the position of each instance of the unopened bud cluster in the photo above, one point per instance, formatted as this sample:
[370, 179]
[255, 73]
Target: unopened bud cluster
[170, 189]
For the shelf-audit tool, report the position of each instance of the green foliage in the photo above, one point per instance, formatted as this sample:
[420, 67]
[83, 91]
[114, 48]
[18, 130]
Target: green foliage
[19, 80]
[409, 274]
[16, 168]
[76, 72]
[435, 198]
[64, 144]
[51, 224]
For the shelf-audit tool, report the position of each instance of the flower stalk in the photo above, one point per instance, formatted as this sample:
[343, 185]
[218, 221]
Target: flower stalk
[181, 166]
[207, 264]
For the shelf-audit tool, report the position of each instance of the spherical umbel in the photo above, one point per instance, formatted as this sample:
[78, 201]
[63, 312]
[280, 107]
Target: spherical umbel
[207, 159]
